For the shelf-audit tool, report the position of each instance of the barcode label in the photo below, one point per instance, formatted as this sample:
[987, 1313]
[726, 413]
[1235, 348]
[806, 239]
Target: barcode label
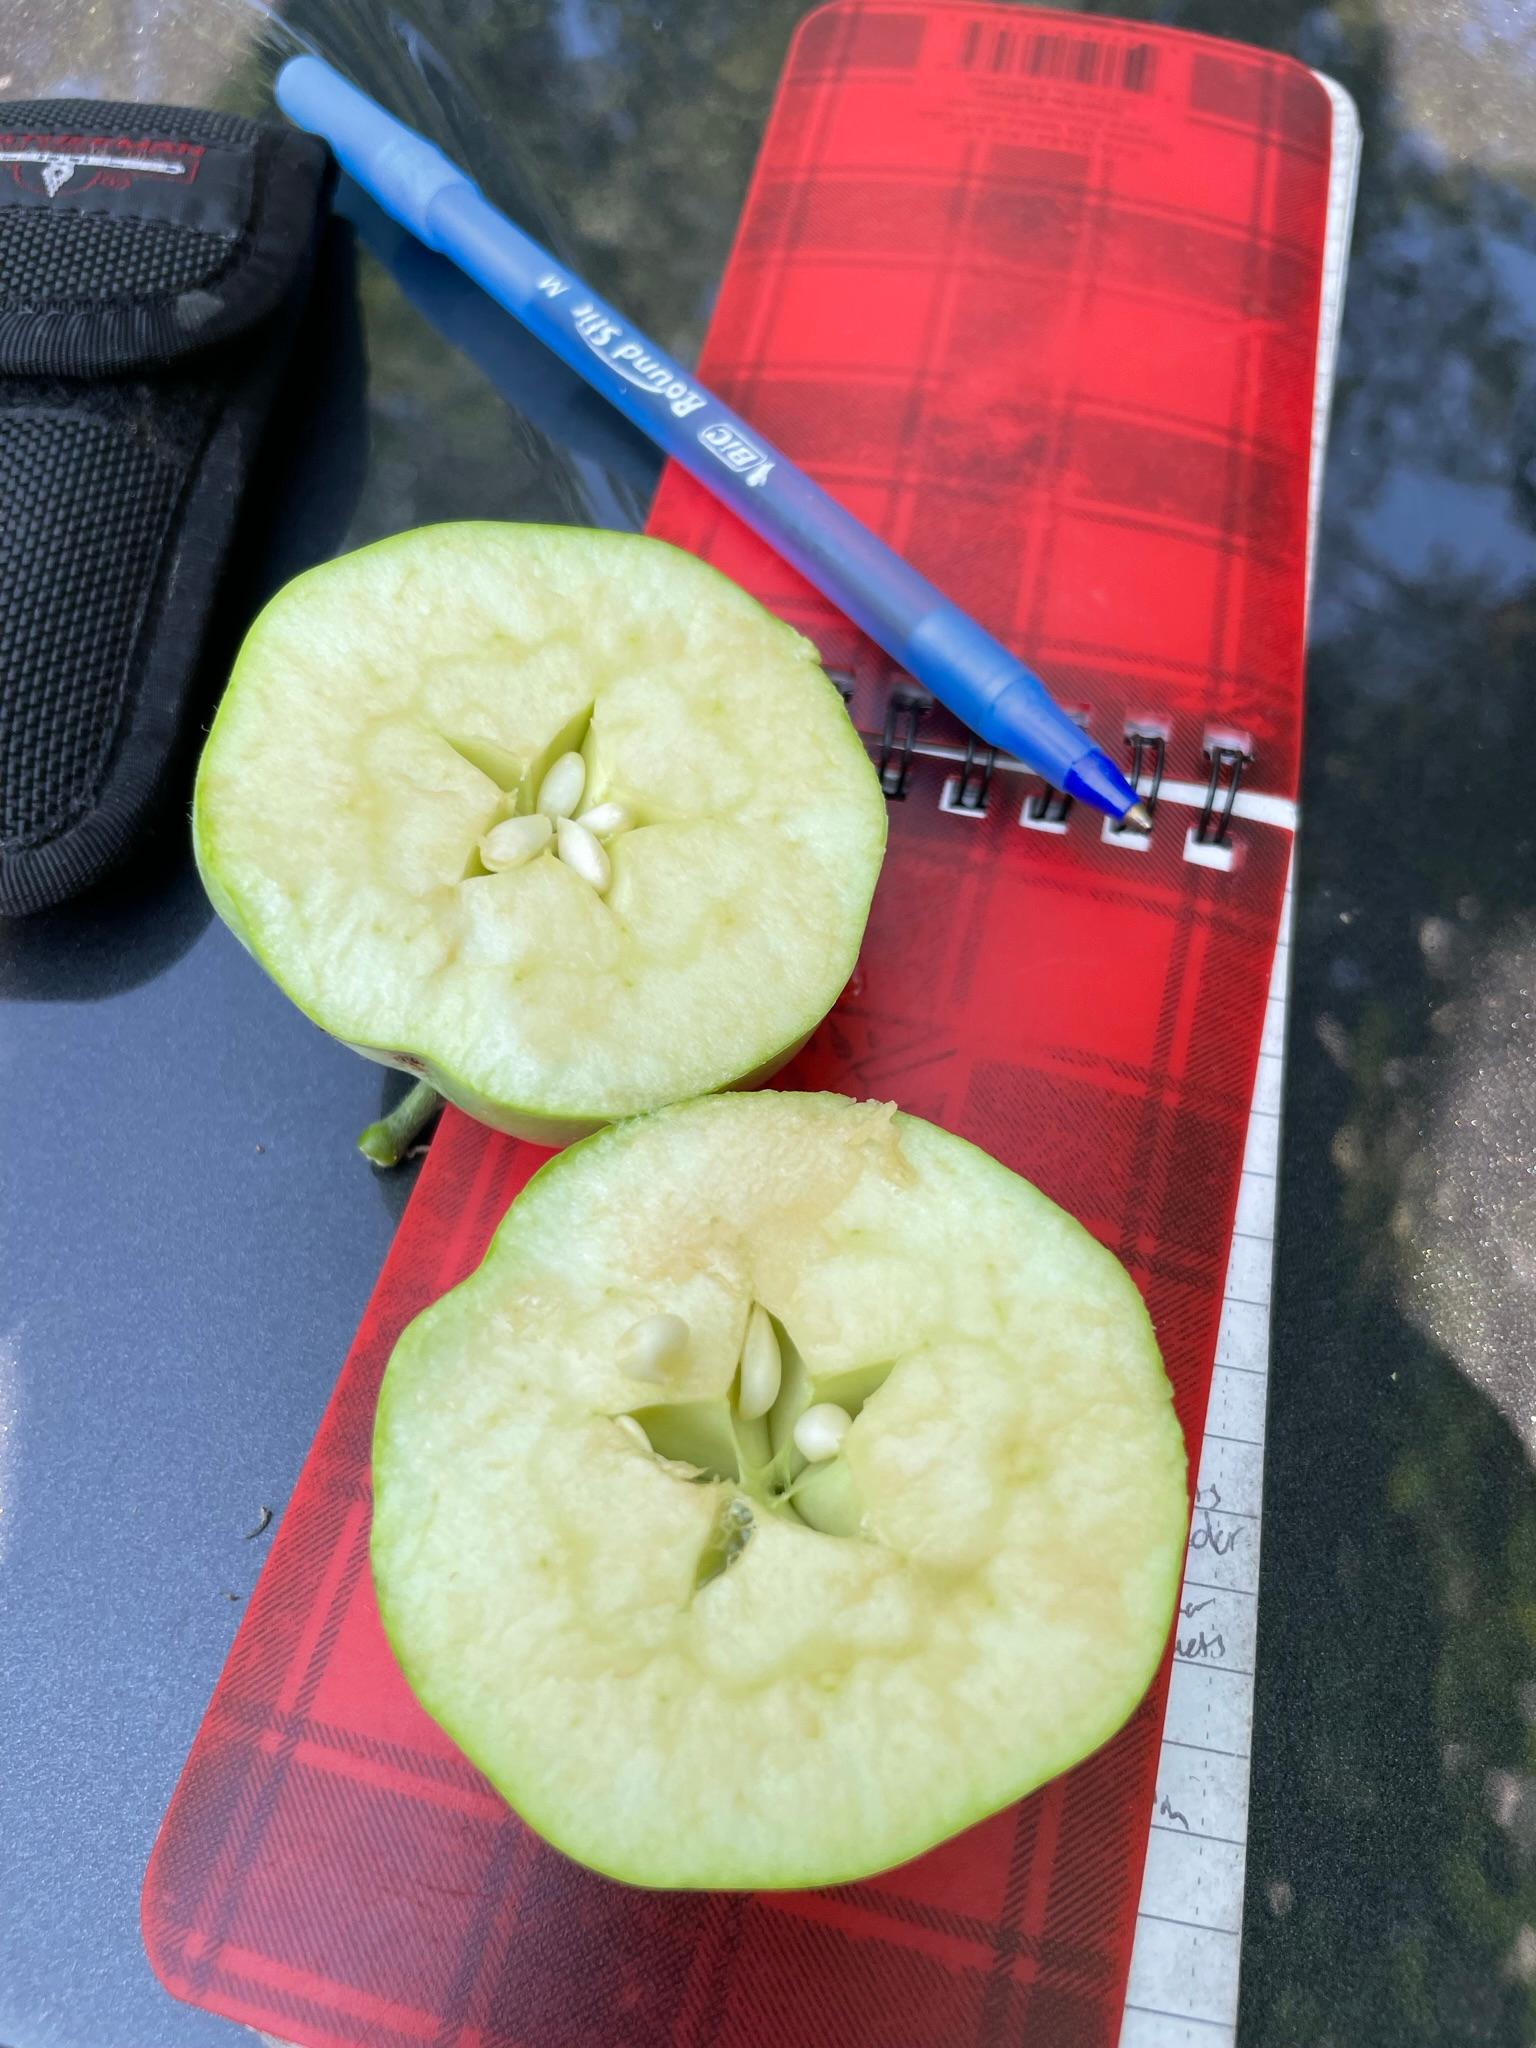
[1072, 60]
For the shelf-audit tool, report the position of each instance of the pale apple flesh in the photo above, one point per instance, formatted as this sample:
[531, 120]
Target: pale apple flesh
[687, 1657]
[390, 709]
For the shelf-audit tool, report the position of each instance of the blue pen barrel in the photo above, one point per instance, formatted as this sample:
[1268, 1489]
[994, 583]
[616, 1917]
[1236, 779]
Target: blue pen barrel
[937, 643]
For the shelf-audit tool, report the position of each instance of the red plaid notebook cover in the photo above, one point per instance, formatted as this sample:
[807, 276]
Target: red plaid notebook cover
[1037, 295]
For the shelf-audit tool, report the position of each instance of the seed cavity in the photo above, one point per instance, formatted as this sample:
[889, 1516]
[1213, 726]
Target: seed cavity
[762, 1367]
[648, 1348]
[772, 1437]
[604, 820]
[631, 1428]
[546, 796]
[732, 1532]
[514, 841]
[493, 761]
[560, 791]
[820, 1431]
[582, 853]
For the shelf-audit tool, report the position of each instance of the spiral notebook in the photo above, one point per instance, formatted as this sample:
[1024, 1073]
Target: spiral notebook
[1040, 297]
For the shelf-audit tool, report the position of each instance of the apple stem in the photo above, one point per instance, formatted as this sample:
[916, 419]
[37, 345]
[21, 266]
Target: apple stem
[387, 1142]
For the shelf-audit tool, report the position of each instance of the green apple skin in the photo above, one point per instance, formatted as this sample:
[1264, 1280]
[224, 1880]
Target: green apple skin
[839, 1718]
[535, 1128]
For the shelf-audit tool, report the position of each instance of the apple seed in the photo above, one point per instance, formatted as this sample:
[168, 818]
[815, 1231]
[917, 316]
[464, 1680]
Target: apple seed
[761, 1367]
[820, 1431]
[560, 791]
[604, 820]
[581, 852]
[514, 841]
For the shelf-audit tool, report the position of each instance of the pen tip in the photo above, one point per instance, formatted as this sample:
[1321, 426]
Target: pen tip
[1139, 817]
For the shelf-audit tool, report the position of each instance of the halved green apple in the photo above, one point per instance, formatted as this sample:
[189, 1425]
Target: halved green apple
[563, 821]
[791, 1486]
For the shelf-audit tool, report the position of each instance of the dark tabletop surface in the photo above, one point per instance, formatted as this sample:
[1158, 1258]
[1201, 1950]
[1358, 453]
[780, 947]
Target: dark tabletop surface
[188, 1238]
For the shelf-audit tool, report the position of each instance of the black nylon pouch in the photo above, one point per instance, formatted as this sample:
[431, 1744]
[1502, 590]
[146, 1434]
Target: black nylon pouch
[154, 263]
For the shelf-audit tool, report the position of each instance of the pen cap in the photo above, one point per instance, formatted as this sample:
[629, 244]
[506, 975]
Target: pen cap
[404, 173]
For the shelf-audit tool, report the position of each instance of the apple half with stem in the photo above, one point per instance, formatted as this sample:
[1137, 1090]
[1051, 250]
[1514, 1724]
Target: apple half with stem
[563, 821]
[790, 1487]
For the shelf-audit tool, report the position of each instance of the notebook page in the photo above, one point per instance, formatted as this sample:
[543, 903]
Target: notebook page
[1182, 1991]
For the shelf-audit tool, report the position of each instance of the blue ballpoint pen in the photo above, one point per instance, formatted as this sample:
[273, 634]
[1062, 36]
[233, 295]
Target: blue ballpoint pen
[1001, 699]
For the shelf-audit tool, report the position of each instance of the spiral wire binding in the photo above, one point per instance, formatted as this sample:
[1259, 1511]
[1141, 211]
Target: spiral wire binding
[1050, 805]
[1213, 830]
[1149, 751]
[903, 716]
[972, 783]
